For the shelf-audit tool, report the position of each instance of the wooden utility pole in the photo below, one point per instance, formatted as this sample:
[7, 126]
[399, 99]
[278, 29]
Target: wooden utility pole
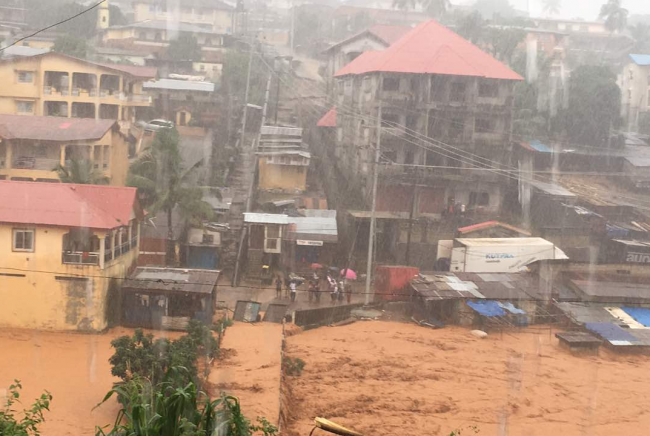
[375, 177]
[411, 213]
[248, 87]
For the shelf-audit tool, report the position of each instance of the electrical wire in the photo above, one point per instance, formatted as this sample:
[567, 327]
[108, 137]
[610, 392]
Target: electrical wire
[53, 25]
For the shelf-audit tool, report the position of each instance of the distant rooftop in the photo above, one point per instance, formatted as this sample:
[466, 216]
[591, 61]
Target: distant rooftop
[180, 85]
[165, 25]
[642, 60]
[39, 128]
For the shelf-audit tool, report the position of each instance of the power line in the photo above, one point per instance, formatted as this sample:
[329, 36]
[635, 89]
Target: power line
[53, 25]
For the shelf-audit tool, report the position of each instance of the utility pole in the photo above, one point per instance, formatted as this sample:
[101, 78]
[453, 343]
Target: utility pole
[375, 177]
[277, 92]
[411, 213]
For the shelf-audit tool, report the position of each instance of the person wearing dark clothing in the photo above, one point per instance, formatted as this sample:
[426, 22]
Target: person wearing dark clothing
[278, 287]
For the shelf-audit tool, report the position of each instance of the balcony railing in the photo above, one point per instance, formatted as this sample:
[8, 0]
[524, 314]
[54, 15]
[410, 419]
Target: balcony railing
[138, 98]
[80, 258]
[34, 163]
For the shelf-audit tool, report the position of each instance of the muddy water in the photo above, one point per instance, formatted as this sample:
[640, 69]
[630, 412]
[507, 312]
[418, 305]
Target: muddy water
[385, 378]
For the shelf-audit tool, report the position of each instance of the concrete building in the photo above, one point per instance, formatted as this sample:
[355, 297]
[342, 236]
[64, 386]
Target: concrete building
[429, 84]
[31, 147]
[283, 160]
[154, 36]
[214, 15]
[181, 100]
[53, 84]
[378, 37]
[634, 82]
[61, 246]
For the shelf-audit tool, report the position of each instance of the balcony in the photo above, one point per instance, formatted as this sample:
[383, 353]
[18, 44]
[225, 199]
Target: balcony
[80, 258]
[138, 98]
[34, 163]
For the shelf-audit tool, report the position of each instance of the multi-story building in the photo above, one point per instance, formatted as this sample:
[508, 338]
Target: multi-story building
[445, 107]
[214, 15]
[64, 248]
[53, 84]
[634, 82]
[184, 101]
[32, 147]
[154, 36]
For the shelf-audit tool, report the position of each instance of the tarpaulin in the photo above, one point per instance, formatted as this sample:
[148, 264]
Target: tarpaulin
[611, 332]
[487, 308]
[640, 314]
[512, 309]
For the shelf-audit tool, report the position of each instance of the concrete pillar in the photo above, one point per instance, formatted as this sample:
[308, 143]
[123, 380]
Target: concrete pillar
[102, 251]
[62, 155]
[91, 154]
[9, 156]
[130, 233]
[113, 244]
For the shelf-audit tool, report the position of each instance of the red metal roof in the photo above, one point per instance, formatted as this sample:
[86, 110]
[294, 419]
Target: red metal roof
[489, 225]
[431, 48]
[329, 119]
[389, 34]
[67, 205]
[53, 128]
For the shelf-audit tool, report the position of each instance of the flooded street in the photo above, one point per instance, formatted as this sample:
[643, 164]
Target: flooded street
[384, 378]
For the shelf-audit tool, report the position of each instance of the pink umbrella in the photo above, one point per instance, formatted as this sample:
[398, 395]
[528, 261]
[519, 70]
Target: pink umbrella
[349, 274]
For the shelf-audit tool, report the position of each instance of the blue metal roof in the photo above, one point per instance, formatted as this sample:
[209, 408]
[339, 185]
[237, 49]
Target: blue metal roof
[542, 148]
[611, 332]
[488, 308]
[641, 314]
[641, 59]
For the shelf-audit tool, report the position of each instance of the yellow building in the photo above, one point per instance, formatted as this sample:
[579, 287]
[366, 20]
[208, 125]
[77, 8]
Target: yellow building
[31, 147]
[283, 170]
[213, 14]
[53, 84]
[64, 248]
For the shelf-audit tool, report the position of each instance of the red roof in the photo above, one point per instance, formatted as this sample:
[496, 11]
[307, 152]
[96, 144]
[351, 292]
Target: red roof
[329, 119]
[389, 34]
[489, 225]
[67, 205]
[431, 48]
[53, 128]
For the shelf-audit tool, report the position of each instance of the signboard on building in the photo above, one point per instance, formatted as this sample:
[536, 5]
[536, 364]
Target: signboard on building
[309, 243]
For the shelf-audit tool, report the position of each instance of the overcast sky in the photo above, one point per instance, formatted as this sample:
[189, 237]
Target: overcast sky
[587, 9]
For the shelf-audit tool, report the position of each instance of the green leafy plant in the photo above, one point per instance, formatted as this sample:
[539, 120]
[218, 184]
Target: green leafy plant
[293, 365]
[11, 425]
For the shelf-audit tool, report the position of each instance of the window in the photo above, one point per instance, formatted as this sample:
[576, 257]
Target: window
[390, 84]
[25, 76]
[482, 125]
[208, 239]
[488, 88]
[23, 240]
[479, 199]
[456, 128]
[631, 75]
[25, 107]
[457, 92]
[387, 120]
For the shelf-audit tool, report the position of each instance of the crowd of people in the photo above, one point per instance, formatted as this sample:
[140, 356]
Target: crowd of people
[317, 284]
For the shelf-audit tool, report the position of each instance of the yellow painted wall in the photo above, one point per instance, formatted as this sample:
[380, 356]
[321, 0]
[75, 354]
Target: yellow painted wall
[221, 20]
[287, 177]
[38, 300]
[53, 62]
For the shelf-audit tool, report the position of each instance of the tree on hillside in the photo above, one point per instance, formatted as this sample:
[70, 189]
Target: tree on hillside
[552, 7]
[493, 9]
[71, 45]
[615, 15]
[117, 18]
[504, 42]
[435, 8]
[641, 34]
[185, 48]
[471, 27]
[81, 172]
[44, 13]
[594, 105]
[162, 184]
[233, 76]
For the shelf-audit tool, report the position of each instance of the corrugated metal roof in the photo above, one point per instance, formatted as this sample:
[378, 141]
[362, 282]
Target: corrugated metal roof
[551, 189]
[23, 51]
[314, 228]
[133, 70]
[329, 119]
[180, 85]
[53, 128]
[642, 60]
[431, 48]
[177, 280]
[638, 161]
[498, 286]
[386, 33]
[491, 224]
[66, 204]
[208, 4]
[266, 218]
[164, 25]
[281, 130]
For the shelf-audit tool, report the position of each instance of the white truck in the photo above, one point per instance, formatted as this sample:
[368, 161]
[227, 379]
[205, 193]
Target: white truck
[497, 255]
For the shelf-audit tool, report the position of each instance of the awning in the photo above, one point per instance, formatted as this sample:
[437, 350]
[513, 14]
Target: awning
[487, 308]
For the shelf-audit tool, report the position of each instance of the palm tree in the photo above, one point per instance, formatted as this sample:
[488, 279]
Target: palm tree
[615, 15]
[81, 172]
[641, 35]
[552, 7]
[162, 184]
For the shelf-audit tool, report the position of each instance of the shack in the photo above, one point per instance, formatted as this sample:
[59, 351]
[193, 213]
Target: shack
[167, 298]
[311, 239]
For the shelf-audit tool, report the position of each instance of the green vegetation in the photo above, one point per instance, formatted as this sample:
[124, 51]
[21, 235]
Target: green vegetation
[164, 184]
[172, 409]
[185, 48]
[27, 425]
[71, 45]
[293, 365]
[615, 15]
[81, 172]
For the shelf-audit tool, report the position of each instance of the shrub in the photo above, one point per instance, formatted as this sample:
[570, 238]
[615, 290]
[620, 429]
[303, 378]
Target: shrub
[10, 425]
[293, 366]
